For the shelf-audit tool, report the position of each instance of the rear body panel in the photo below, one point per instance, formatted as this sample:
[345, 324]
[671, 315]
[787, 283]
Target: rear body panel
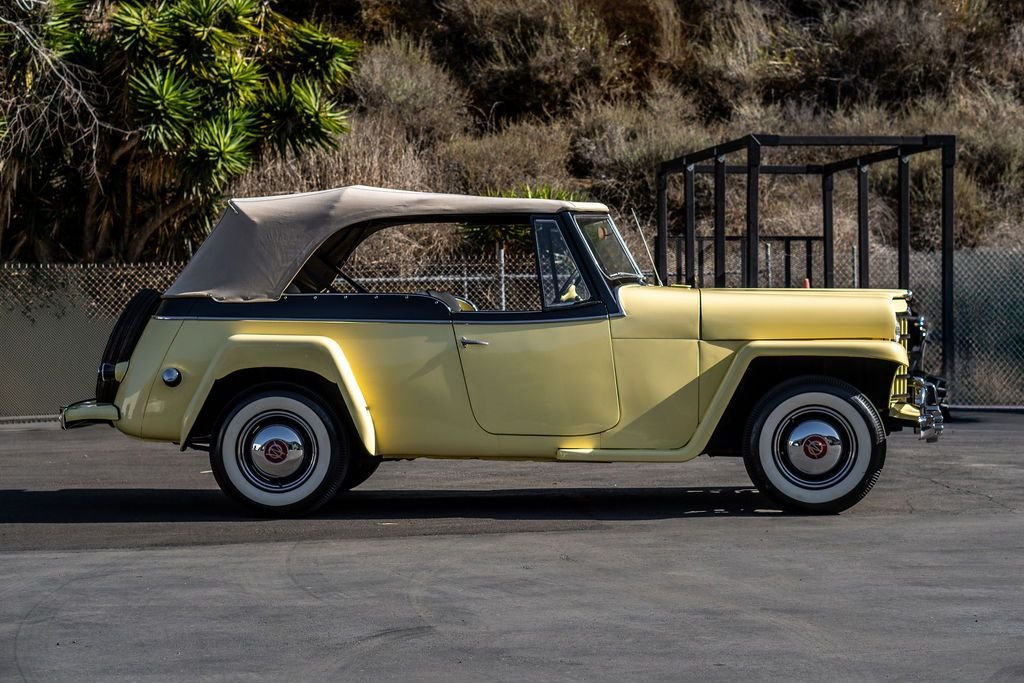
[143, 372]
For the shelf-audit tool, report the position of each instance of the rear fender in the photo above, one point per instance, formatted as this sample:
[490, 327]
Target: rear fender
[320, 355]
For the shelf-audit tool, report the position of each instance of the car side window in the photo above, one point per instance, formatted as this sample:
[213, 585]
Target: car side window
[561, 282]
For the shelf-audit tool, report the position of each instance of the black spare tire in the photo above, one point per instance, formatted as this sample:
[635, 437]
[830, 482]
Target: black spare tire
[124, 337]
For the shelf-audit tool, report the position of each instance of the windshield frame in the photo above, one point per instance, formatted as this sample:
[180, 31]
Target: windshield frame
[636, 275]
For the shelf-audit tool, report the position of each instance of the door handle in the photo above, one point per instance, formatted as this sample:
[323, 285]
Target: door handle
[472, 342]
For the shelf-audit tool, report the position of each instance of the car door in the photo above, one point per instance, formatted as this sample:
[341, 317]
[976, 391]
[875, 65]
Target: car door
[543, 372]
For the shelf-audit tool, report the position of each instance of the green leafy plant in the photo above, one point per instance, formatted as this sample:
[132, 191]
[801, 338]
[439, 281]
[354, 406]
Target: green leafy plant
[174, 100]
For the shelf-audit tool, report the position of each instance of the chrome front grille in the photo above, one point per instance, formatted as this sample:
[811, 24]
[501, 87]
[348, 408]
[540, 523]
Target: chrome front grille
[900, 386]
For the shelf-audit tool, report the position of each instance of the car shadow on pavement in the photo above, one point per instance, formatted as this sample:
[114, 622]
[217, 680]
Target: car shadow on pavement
[77, 506]
[593, 503]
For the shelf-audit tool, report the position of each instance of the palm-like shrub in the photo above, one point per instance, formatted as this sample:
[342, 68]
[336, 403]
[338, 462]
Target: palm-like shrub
[186, 94]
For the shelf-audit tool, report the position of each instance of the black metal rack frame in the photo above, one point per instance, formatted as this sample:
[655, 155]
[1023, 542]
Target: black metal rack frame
[899, 148]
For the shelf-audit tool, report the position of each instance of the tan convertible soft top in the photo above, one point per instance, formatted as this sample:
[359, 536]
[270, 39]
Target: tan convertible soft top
[260, 244]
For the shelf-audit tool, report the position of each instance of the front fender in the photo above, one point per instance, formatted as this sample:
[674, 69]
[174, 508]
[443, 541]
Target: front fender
[320, 355]
[855, 348]
[872, 349]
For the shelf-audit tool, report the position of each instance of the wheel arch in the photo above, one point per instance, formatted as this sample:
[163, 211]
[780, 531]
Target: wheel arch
[871, 375]
[315, 365]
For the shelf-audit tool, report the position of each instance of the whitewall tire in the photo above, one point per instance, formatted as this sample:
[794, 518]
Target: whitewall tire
[280, 452]
[814, 444]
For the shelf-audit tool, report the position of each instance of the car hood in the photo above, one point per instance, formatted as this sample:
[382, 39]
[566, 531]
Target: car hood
[800, 313]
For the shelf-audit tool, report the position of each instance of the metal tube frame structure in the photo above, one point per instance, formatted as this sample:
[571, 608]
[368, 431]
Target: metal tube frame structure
[898, 148]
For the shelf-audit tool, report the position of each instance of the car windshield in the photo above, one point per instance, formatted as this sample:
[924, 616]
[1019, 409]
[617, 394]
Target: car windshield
[607, 247]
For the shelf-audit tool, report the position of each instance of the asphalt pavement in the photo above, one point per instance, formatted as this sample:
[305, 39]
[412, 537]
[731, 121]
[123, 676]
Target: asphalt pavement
[121, 559]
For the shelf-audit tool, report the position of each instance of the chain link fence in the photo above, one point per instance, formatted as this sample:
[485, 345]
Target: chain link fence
[55, 319]
[54, 323]
[988, 304]
[500, 284]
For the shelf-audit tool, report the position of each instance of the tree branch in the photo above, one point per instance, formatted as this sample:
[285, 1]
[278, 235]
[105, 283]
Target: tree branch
[149, 228]
[95, 226]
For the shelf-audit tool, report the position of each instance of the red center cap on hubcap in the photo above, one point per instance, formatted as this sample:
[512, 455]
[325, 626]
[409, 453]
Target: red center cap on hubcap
[815, 447]
[276, 451]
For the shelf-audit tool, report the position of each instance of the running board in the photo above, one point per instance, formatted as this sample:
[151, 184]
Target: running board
[625, 455]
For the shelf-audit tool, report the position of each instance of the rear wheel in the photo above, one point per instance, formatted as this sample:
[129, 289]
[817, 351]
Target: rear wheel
[815, 445]
[280, 452]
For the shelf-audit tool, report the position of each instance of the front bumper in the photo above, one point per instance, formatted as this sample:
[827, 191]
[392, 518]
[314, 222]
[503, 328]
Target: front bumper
[88, 412]
[924, 406]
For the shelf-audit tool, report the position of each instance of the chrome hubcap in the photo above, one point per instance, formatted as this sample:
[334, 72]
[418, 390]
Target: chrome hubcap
[814, 447]
[276, 451]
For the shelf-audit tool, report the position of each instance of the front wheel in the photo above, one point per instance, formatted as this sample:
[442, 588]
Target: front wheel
[815, 445]
[279, 452]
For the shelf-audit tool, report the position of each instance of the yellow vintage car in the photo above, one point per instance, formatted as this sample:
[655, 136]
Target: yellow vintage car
[299, 380]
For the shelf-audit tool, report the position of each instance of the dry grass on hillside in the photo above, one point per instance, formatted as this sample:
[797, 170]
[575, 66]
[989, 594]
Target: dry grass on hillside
[375, 152]
[397, 78]
[588, 95]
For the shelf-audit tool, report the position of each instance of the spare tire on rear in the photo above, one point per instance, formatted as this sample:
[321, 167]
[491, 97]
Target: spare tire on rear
[124, 337]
